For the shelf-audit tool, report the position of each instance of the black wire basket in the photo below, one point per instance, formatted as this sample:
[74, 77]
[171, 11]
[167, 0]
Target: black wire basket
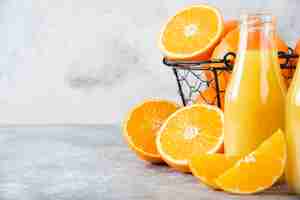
[194, 77]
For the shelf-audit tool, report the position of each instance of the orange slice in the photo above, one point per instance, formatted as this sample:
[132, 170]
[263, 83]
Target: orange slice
[191, 130]
[258, 170]
[208, 167]
[192, 33]
[141, 125]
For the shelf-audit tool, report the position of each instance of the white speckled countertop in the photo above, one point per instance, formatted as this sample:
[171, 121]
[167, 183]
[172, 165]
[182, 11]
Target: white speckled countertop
[92, 162]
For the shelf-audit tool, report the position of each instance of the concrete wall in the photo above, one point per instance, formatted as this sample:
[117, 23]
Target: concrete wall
[66, 61]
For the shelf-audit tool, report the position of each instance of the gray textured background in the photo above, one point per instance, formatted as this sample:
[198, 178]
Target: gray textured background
[66, 61]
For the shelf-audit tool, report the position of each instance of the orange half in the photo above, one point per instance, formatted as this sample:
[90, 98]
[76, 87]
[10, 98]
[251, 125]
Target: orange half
[191, 130]
[142, 124]
[192, 33]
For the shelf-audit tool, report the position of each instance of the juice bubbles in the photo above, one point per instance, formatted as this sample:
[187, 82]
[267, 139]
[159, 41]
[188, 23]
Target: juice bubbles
[255, 97]
[292, 128]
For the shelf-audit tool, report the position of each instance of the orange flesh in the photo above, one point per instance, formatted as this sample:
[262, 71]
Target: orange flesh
[145, 122]
[208, 167]
[250, 176]
[258, 170]
[190, 30]
[192, 132]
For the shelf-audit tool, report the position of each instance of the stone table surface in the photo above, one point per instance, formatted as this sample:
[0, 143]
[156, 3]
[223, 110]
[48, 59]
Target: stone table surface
[92, 162]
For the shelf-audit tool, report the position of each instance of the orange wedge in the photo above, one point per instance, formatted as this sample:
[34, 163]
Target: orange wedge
[191, 130]
[208, 167]
[257, 171]
[141, 125]
[192, 33]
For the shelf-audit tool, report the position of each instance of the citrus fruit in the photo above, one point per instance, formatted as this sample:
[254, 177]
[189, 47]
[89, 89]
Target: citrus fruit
[297, 52]
[230, 25]
[209, 96]
[230, 44]
[258, 170]
[297, 47]
[192, 33]
[289, 72]
[207, 167]
[231, 41]
[191, 130]
[141, 125]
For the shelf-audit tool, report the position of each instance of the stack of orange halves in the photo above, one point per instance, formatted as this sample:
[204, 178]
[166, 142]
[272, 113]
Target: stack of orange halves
[190, 139]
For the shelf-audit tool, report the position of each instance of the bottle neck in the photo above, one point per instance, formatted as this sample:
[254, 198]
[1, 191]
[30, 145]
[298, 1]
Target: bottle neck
[257, 32]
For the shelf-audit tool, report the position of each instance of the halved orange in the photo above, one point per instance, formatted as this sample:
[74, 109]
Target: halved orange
[258, 170]
[207, 167]
[191, 130]
[142, 124]
[192, 33]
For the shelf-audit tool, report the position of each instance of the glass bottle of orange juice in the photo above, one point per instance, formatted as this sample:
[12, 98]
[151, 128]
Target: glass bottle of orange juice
[292, 129]
[255, 97]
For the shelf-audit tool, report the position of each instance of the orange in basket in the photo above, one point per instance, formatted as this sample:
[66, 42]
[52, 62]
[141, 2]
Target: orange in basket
[209, 96]
[192, 33]
[230, 44]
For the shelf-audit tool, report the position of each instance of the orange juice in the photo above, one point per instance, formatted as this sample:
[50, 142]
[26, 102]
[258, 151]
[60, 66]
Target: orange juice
[292, 128]
[255, 97]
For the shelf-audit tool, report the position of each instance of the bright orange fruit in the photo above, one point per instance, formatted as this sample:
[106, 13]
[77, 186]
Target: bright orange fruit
[230, 44]
[230, 25]
[191, 130]
[297, 52]
[209, 96]
[288, 73]
[207, 167]
[258, 170]
[192, 33]
[297, 47]
[142, 124]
